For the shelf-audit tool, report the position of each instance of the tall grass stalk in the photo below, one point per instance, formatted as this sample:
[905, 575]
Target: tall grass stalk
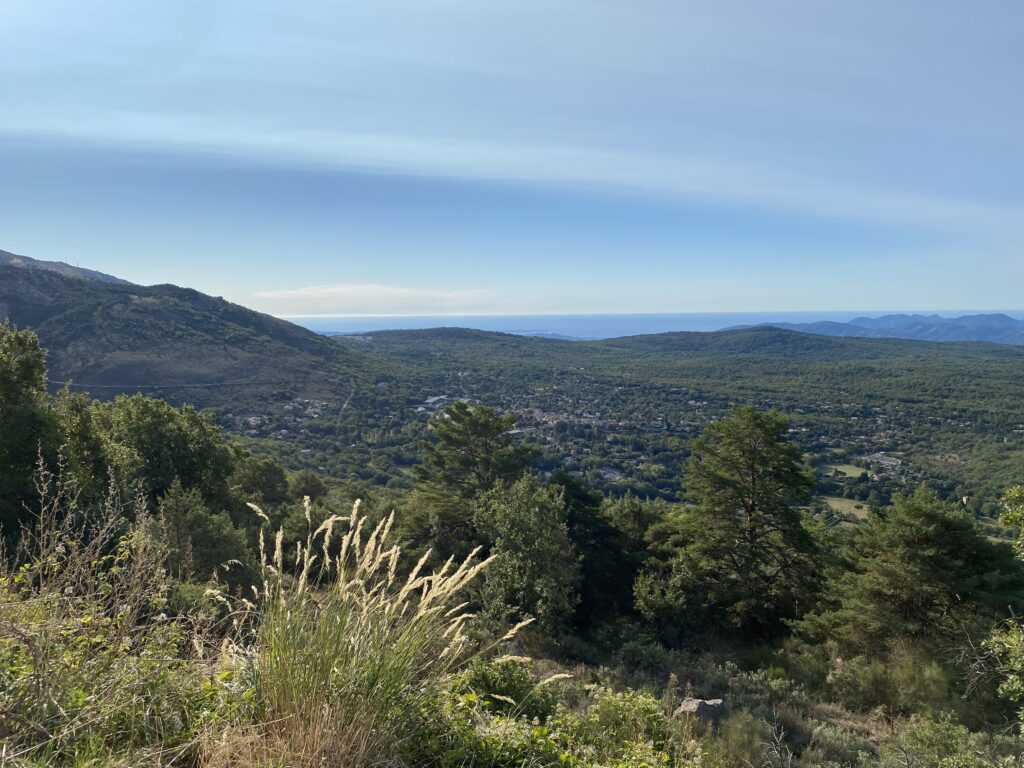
[346, 650]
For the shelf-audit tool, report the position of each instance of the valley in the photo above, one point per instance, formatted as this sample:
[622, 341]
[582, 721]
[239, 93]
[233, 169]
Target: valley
[619, 413]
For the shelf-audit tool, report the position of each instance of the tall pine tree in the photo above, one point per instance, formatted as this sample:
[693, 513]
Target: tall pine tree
[740, 559]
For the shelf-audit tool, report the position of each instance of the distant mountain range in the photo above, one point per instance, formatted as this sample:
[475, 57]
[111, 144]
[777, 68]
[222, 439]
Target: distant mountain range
[24, 262]
[997, 328]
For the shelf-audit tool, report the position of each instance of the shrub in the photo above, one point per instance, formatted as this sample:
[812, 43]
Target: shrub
[740, 740]
[944, 743]
[905, 682]
[612, 720]
[90, 666]
[346, 653]
[457, 731]
[648, 657]
[510, 688]
[606, 729]
[832, 745]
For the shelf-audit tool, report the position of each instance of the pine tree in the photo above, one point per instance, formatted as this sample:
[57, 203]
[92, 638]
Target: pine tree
[741, 558]
[922, 572]
[28, 428]
[472, 454]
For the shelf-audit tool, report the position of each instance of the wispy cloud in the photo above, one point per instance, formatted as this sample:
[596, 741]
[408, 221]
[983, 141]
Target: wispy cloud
[685, 178]
[816, 109]
[715, 153]
[364, 299]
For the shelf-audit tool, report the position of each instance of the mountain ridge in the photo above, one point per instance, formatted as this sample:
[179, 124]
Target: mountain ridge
[59, 267]
[125, 337]
[994, 327]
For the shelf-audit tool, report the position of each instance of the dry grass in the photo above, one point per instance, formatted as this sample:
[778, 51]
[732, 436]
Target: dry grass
[324, 666]
[345, 650]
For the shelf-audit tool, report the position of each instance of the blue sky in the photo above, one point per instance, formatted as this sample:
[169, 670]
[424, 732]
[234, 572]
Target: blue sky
[430, 157]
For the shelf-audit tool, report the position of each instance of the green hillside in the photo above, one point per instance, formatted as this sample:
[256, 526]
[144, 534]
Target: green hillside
[618, 412]
[951, 410]
[170, 341]
[778, 599]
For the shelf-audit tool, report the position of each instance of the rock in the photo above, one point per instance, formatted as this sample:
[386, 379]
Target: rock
[707, 710]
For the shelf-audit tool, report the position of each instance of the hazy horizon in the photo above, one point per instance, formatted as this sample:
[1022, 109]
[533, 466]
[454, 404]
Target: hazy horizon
[589, 326]
[852, 313]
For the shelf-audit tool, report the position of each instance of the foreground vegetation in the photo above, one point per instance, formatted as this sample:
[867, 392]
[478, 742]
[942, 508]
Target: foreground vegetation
[499, 613]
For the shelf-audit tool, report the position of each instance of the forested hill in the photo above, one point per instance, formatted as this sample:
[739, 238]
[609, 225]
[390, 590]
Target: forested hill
[994, 327]
[622, 409]
[58, 267]
[171, 341]
[619, 412]
[763, 342]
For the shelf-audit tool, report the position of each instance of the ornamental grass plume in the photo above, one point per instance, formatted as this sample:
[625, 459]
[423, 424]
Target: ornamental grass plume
[346, 651]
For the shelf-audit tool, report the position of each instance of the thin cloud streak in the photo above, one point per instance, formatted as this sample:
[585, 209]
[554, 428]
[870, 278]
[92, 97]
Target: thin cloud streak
[671, 177]
[361, 299]
[576, 156]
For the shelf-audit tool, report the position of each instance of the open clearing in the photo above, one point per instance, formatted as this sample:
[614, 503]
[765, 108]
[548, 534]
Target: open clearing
[847, 506]
[848, 470]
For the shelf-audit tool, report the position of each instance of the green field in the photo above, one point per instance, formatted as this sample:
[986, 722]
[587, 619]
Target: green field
[847, 470]
[846, 506]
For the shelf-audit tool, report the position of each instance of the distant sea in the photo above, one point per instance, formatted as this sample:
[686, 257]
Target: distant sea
[592, 326]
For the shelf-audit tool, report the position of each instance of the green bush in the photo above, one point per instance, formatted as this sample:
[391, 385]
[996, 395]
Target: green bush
[459, 730]
[740, 741]
[510, 687]
[945, 743]
[90, 664]
[832, 746]
[646, 657]
[610, 720]
[905, 683]
[606, 729]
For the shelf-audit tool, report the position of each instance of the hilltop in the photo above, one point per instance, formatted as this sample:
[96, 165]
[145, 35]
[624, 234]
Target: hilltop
[109, 336]
[58, 267]
[994, 327]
